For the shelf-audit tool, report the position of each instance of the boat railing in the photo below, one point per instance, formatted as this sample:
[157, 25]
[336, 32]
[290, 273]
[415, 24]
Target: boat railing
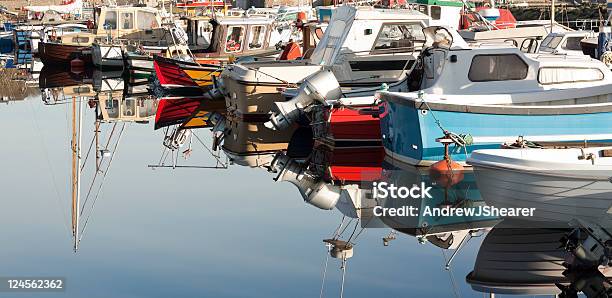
[583, 24]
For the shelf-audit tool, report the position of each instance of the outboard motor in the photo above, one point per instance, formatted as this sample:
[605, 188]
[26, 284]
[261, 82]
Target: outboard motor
[320, 86]
[313, 189]
[590, 245]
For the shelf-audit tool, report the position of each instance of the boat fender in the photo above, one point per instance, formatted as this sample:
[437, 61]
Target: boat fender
[321, 86]
[77, 65]
[446, 172]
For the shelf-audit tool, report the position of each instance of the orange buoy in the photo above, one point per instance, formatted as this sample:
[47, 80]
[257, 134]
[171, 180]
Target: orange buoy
[77, 65]
[292, 51]
[446, 172]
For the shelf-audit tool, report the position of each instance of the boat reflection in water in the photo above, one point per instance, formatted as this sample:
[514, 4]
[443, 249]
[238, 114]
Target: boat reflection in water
[566, 246]
[113, 102]
[517, 260]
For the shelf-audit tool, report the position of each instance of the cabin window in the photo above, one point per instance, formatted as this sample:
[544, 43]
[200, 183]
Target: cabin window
[80, 40]
[129, 107]
[147, 108]
[560, 75]
[127, 20]
[234, 39]
[436, 12]
[146, 20]
[551, 42]
[397, 36]
[504, 67]
[572, 43]
[110, 20]
[423, 9]
[112, 108]
[256, 37]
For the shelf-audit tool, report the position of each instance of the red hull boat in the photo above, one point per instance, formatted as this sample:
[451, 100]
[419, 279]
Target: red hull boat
[353, 164]
[182, 110]
[170, 74]
[51, 53]
[347, 124]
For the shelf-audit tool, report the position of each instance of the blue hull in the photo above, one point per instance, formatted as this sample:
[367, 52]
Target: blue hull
[409, 134]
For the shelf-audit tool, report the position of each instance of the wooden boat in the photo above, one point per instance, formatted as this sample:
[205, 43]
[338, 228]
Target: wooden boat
[140, 23]
[52, 77]
[65, 50]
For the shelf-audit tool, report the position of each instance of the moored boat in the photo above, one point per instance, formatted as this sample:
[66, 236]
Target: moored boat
[486, 96]
[360, 61]
[68, 49]
[560, 184]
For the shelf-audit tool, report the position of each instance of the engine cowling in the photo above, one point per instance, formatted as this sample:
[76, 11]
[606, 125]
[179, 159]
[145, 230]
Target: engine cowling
[320, 86]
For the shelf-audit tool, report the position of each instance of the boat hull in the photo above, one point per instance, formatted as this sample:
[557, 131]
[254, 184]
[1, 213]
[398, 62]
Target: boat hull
[61, 54]
[356, 124]
[107, 56]
[555, 197]
[409, 130]
[173, 74]
[139, 62]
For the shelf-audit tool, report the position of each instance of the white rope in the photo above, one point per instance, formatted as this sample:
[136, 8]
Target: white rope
[49, 164]
[451, 276]
[102, 183]
[325, 270]
[343, 276]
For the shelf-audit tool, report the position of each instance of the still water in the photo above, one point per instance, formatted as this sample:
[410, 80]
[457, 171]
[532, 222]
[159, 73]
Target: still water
[190, 231]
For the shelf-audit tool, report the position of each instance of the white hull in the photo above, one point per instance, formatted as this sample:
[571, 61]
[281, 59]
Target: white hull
[559, 188]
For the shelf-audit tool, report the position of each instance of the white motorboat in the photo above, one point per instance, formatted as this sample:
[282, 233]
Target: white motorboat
[561, 184]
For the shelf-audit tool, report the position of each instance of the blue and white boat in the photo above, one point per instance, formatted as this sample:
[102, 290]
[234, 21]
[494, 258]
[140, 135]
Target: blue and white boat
[485, 96]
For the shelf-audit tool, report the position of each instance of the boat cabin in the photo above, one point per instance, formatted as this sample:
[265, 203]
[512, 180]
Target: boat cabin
[130, 22]
[454, 68]
[116, 108]
[367, 44]
[442, 12]
[565, 43]
[229, 36]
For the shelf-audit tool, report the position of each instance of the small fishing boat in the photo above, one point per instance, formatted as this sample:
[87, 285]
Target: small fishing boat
[174, 75]
[560, 184]
[230, 38]
[63, 51]
[485, 96]
[360, 61]
[139, 23]
[189, 112]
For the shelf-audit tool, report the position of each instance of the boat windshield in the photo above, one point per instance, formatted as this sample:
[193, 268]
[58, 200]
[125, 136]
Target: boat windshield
[551, 42]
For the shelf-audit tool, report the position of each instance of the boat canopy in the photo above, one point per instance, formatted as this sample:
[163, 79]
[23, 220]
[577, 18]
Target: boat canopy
[74, 7]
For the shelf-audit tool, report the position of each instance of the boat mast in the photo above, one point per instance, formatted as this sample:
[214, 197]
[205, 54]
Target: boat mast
[76, 170]
[74, 174]
[552, 15]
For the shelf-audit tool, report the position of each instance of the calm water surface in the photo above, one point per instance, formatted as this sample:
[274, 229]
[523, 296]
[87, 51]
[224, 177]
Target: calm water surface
[186, 232]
